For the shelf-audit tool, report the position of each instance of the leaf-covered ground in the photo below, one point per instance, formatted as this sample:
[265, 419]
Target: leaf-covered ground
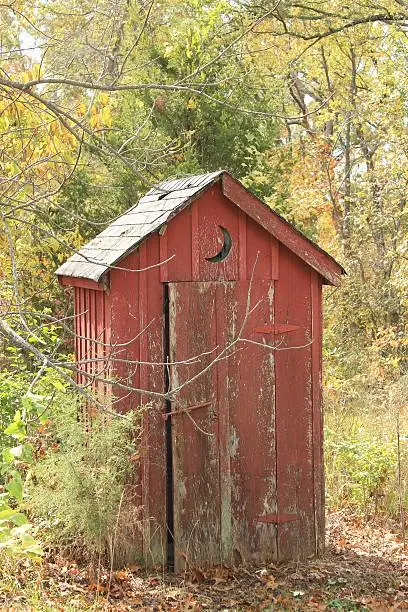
[365, 568]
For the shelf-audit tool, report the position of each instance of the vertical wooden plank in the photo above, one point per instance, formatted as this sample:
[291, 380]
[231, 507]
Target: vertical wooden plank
[84, 316]
[195, 242]
[216, 212]
[194, 427]
[223, 296]
[163, 256]
[242, 245]
[121, 334]
[250, 388]
[122, 326]
[89, 324]
[179, 237]
[294, 417]
[143, 377]
[258, 251]
[133, 313]
[318, 464]
[76, 329]
[99, 342]
[134, 304]
[79, 324]
[156, 472]
[108, 340]
[87, 328]
[81, 320]
[274, 258]
[78, 333]
[92, 336]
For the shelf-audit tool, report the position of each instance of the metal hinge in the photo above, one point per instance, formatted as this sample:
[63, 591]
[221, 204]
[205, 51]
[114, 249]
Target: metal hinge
[276, 328]
[189, 409]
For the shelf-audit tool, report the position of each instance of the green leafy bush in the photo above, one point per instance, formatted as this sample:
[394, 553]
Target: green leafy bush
[17, 407]
[359, 468]
[16, 538]
[79, 485]
[73, 480]
[12, 389]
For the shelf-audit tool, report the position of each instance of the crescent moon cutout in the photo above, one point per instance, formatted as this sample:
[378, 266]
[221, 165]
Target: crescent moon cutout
[226, 247]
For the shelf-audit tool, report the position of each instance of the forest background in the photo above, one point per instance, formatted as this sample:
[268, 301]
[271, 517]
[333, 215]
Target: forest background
[304, 102]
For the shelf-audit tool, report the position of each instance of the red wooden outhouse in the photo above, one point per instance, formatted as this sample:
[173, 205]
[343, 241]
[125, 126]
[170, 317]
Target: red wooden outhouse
[203, 276]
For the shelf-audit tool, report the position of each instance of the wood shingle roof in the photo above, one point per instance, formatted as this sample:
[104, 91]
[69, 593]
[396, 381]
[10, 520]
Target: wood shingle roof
[153, 210]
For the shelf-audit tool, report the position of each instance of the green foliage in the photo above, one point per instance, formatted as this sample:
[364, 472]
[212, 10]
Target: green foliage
[346, 605]
[11, 390]
[361, 467]
[78, 486]
[16, 539]
[53, 466]
[16, 458]
[22, 409]
[361, 459]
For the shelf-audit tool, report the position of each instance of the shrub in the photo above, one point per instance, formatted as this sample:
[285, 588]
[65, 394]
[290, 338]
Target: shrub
[359, 470]
[78, 486]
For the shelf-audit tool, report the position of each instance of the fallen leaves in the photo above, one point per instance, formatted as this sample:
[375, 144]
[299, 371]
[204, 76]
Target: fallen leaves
[364, 568]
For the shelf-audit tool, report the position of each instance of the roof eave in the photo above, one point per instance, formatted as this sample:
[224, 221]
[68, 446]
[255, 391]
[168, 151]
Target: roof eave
[287, 234]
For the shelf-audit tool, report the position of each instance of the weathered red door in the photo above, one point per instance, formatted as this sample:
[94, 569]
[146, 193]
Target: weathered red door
[223, 422]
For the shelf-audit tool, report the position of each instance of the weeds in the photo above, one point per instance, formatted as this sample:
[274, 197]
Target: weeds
[78, 487]
[361, 457]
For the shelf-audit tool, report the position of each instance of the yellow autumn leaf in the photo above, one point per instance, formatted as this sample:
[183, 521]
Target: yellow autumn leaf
[106, 116]
[95, 120]
[104, 99]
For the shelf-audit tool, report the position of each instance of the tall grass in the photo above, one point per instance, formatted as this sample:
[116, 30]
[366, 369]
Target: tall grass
[361, 453]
